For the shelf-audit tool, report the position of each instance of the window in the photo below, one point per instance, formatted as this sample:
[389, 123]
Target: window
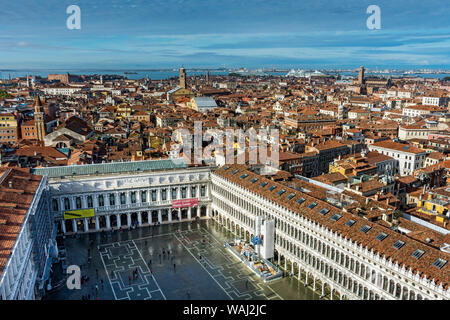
[418, 254]
[174, 193]
[203, 191]
[193, 191]
[440, 263]
[271, 188]
[263, 184]
[324, 211]
[123, 198]
[101, 201]
[254, 180]
[183, 193]
[153, 195]
[90, 203]
[312, 205]
[281, 192]
[164, 194]
[290, 196]
[55, 205]
[143, 196]
[244, 176]
[336, 217]
[78, 202]
[366, 228]
[397, 245]
[112, 199]
[133, 197]
[301, 200]
[381, 236]
[234, 171]
[350, 223]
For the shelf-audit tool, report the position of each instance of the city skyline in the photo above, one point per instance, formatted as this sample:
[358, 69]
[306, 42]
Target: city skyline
[254, 34]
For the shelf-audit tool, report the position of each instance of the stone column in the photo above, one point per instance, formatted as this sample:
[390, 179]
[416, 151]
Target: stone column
[129, 219]
[179, 214]
[138, 196]
[97, 224]
[159, 216]
[118, 220]
[170, 215]
[314, 283]
[108, 222]
[140, 218]
[63, 226]
[190, 213]
[299, 272]
[86, 226]
[74, 225]
[323, 289]
[149, 217]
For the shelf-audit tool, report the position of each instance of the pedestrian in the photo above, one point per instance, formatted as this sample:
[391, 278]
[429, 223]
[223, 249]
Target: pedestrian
[103, 287]
[188, 295]
[145, 242]
[151, 273]
[96, 289]
[246, 283]
[174, 267]
[129, 280]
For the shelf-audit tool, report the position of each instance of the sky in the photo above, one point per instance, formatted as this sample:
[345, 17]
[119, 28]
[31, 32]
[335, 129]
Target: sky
[133, 34]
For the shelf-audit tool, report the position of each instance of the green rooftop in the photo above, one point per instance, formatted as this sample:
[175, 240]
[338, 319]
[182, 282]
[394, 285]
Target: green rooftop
[113, 167]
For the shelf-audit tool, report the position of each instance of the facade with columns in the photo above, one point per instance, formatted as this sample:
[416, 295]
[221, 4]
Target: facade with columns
[326, 247]
[122, 198]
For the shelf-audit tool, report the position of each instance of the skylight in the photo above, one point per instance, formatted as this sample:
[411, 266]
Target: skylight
[254, 180]
[290, 196]
[234, 171]
[440, 263]
[301, 200]
[281, 192]
[398, 244]
[382, 236]
[418, 254]
[244, 176]
[263, 184]
[271, 188]
[366, 228]
[350, 223]
[312, 205]
[336, 217]
[324, 211]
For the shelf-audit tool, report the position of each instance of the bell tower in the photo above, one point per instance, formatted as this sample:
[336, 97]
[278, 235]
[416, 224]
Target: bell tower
[182, 78]
[39, 120]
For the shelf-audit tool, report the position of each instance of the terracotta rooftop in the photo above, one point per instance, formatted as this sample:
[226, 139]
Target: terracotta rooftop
[17, 189]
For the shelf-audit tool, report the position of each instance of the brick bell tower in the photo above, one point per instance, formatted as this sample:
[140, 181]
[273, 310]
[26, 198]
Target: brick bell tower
[39, 120]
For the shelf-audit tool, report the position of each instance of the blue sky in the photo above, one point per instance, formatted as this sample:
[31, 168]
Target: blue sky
[230, 33]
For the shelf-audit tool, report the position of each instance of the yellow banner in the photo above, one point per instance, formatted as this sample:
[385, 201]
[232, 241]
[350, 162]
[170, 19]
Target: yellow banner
[75, 214]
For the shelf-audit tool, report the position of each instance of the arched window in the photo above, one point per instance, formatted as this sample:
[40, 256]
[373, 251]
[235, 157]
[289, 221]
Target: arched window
[112, 199]
[101, 201]
[78, 202]
[90, 203]
[66, 204]
[55, 205]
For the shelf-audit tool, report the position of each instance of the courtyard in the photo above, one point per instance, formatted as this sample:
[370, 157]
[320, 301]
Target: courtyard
[179, 261]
